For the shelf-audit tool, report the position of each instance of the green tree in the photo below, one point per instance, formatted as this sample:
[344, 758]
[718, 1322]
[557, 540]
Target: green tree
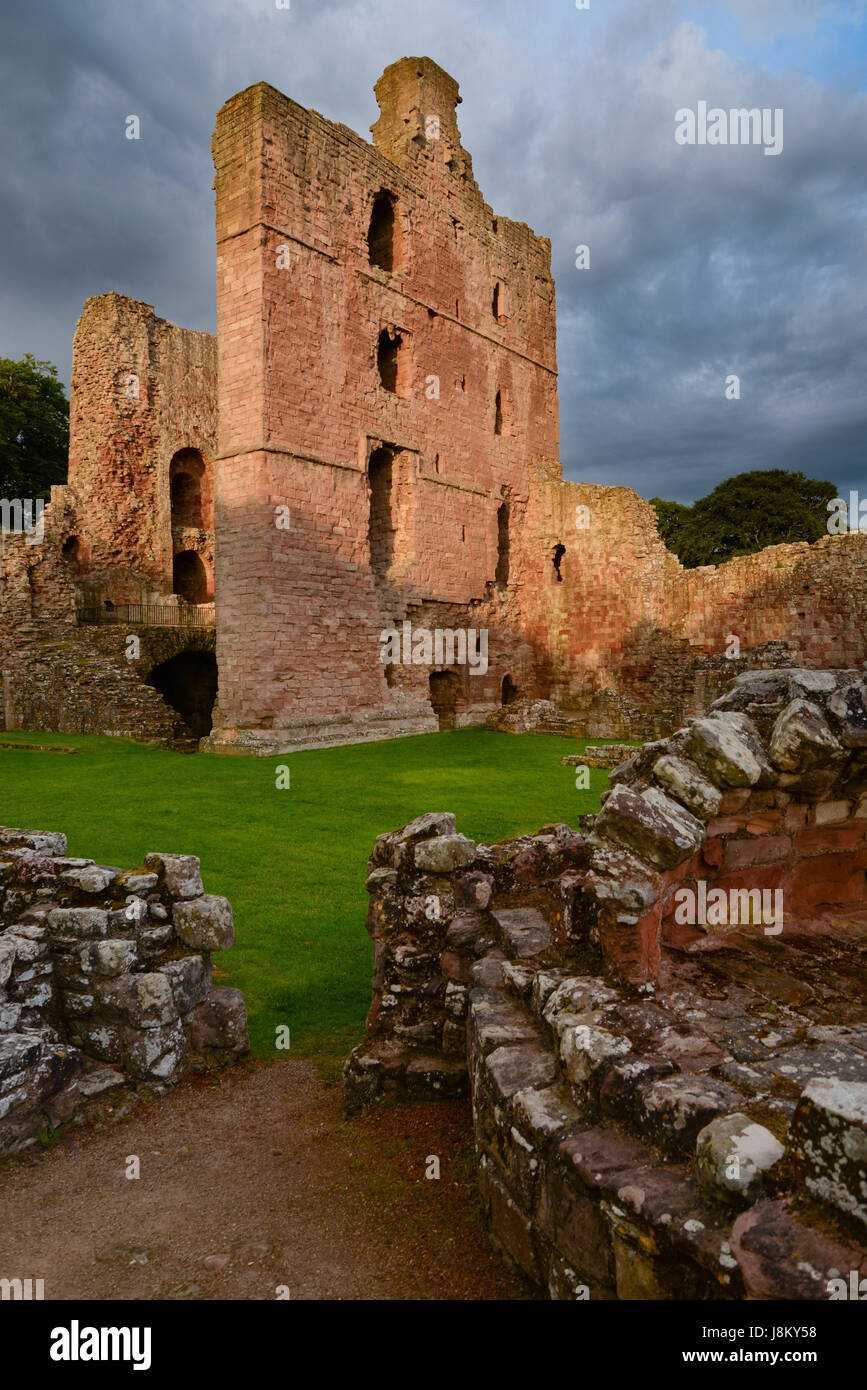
[670, 517]
[34, 428]
[744, 514]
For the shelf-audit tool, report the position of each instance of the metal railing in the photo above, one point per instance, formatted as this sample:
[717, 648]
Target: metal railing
[152, 614]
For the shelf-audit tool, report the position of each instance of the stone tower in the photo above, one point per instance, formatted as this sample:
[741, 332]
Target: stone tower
[387, 376]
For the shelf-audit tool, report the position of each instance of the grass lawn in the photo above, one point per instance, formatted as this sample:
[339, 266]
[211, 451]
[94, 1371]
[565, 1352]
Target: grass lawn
[292, 862]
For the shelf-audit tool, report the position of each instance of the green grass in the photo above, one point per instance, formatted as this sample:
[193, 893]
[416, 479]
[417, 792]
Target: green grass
[291, 862]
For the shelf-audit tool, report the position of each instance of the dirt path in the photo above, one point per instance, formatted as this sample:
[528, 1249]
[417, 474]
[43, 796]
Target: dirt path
[249, 1184]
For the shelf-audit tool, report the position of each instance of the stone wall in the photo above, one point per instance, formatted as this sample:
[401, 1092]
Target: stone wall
[67, 679]
[669, 1098]
[142, 390]
[105, 979]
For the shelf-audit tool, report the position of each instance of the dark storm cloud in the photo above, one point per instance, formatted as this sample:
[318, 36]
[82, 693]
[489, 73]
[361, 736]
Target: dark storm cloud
[703, 261]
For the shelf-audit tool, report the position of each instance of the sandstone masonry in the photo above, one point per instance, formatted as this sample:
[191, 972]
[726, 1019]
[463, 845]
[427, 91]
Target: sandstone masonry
[653, 1096]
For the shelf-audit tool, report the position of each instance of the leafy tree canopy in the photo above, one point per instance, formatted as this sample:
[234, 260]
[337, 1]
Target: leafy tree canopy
[744, 514]
[34, 428]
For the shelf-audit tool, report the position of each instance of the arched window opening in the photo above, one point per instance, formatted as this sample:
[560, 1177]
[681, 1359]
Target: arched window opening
[508, 691]
[191, 491]
[557, 561]
[498, 413]
[381, 528]
[387, 355]
[381, 233]
[189, 577]
[502, 575]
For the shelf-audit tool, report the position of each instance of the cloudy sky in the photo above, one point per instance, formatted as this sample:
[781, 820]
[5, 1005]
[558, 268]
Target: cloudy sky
[705, 261]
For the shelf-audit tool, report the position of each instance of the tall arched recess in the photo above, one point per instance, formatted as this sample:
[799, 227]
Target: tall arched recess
[190, 577]
[192, 491]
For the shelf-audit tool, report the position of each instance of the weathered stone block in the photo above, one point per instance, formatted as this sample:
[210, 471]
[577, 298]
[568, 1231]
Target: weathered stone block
[829, 1138]
[658, 829]
[107, 957]
[512, 1069]
[687, 784]
[443, 854]
[801, 738]
[523, 931]
[145, 1001]
[179, 874]
[735, 1156]
[155, 1054]
[678, 1107]
[189, 980]
[717, 748]
[83, 923]
[205, 923]
[219, 1023]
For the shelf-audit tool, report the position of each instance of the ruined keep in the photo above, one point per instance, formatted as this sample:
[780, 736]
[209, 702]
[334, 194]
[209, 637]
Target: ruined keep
[369, 444]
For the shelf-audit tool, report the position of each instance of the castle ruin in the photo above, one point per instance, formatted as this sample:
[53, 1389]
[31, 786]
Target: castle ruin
[371, 441]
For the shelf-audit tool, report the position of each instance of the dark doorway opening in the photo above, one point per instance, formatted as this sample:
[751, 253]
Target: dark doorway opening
[509, 691]
[557, 560]
[381, 528]
[189, 577]
[445, 691]
[188, 683]
[380, 235]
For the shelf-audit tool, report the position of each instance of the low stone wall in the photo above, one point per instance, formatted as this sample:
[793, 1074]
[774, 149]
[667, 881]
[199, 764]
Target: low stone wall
[105, 978]
[766, 792]
[663, 1107]
[68, 679]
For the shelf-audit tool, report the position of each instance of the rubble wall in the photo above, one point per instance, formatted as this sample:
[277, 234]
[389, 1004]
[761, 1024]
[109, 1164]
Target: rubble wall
[654, 1097]
[105, 979]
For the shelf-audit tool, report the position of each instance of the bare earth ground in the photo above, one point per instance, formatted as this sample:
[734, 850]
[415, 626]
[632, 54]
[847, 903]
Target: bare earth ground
[251, 1182]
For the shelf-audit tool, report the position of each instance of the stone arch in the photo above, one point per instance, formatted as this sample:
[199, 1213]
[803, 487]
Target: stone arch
[187, 682]
[191, 490]
[508, 691]
[190, 577]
